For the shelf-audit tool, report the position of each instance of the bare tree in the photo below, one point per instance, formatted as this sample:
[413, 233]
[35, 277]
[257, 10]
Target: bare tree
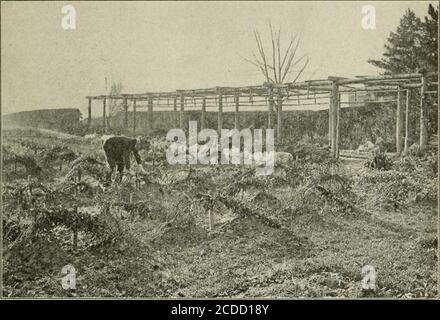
[278, 66]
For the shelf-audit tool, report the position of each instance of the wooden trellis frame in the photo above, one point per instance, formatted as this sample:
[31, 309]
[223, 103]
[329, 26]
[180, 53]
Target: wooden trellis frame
[286, 95]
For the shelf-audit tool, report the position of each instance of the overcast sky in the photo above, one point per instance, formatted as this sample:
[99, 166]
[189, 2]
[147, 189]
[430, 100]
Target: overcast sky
[152, 46]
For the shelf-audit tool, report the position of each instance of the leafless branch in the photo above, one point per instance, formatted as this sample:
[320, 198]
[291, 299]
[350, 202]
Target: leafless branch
[279, 52]
[301, 71]
[273, 53]
[280, 68]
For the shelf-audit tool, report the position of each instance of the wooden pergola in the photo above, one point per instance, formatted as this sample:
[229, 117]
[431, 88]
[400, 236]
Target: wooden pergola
[278, 96]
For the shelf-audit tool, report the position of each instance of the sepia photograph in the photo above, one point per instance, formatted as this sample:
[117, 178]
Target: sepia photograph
[219, 150]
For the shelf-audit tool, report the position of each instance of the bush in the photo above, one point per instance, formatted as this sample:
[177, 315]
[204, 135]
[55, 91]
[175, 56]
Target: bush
[303, 151]
[393, 189]
[379, 162]
[428, 163]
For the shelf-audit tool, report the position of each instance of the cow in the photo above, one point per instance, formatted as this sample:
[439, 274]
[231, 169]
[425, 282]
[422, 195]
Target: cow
[118, 150]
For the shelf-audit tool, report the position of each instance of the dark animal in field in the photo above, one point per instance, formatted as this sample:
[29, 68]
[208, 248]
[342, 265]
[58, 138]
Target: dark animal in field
[118, 150]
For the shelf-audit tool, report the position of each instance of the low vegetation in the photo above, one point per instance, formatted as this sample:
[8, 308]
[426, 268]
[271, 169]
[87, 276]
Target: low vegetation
[219, 231]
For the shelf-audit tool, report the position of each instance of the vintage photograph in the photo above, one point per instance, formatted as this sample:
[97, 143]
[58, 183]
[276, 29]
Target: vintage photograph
[219, 149]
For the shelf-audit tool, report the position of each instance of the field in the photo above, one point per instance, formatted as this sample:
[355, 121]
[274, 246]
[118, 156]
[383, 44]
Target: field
[201, 231]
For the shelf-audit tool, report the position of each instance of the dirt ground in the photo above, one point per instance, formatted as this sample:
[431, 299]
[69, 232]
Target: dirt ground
[314, 254]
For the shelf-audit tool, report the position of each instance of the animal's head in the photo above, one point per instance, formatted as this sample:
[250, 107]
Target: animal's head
[143, 143]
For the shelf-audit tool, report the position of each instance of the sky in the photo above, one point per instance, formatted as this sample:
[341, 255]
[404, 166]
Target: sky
[164, 46]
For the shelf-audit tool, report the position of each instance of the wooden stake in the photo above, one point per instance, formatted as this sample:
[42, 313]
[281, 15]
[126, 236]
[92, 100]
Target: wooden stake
[210, 220]
[236, 114]
[125, 106]
[338, 108]
[134, 117]
[270, 109]
[182, 108]
[399, 121]
[407, 120]
[335, 120]
[330, 123]
[279, 118]
[220, 113]
[89, 120]
[176, 117]
[203, 118]
[423, 117]
[150, 115]
[104, 120]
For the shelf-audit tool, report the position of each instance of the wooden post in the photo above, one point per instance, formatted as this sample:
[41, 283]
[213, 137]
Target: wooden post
[335, 120]
[134, 116]
[279, 117]
[210, 220]
[423, 116]
[203, 118]
[270, 109]
[104, 120]
[406, 120]
[330, 124]
[182, 108]
[399, 121]
[220, 113]
[236, 114]
[175, 115]
[150, 115]
[125, 106]
[89, 121]
[338, 108]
